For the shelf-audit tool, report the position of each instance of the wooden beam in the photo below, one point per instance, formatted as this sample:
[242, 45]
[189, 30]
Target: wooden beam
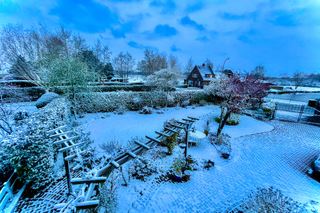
[170, 129]
[115, 164]
[153, 139]
[183, 123]
[90, 204]
[132, 154]
[72, 156]
[56, 129]
[163, 134]
[88, 181]
[65, 140]
[142, 144]
[70, 147]
[177, 126]
[193, 118]
[61, 134]
[188, 120]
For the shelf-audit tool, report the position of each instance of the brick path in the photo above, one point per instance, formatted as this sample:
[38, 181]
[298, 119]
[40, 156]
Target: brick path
[278, 158]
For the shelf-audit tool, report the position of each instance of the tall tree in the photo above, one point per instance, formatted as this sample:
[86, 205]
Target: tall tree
[297, 79]
[258, 72]
[123, 64]
[189, 66]
[152, 62]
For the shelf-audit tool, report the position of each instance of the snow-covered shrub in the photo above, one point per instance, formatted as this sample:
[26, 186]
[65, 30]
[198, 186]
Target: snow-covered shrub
[146, 110]
[185, 103]
[171, 142]
[108, 195]
[111, 148]
[121, 110]
[269, 200]
[31, 154]
[45, 99]
[110, 101]
[142, 168]
[223, 144]
[178, 166]
[29, 151]
[268, 108]
[20, 115]
[233, 119]
[206, 128]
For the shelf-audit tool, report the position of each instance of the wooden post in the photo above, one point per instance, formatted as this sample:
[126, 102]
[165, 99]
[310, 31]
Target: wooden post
[68, 175]
[301, 112]
[187, 141]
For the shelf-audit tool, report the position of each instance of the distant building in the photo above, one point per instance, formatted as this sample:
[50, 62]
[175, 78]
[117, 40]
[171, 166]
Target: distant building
[200, 76]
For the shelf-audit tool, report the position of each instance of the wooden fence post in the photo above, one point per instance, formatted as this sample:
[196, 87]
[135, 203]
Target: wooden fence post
[68, 175]
[301, 112]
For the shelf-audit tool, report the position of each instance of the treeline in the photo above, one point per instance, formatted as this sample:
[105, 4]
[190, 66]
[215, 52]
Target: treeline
[35, 53]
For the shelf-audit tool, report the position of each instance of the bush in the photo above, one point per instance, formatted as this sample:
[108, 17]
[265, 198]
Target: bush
[141, 168]
[29, 150]
[146, 110]
[171, 142]
[229, 122]
[108, 102]
[269, 200]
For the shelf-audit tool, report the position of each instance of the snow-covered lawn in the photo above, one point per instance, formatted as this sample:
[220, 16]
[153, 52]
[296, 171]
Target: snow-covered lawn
[263, 154]
[105, 127]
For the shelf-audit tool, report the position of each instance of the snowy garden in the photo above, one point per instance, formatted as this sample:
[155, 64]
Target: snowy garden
[78, 136]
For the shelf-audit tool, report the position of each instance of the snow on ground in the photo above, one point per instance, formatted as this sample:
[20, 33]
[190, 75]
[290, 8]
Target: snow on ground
[302, 89]
[299, 97]
[277, 158]
[110, 126]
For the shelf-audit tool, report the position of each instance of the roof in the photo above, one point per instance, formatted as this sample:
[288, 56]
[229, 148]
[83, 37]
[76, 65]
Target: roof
[204, 70]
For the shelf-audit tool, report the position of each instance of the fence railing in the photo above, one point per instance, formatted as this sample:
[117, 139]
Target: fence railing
[297, 113]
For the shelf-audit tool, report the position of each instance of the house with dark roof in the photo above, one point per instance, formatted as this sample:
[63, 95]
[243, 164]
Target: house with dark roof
[200, 76]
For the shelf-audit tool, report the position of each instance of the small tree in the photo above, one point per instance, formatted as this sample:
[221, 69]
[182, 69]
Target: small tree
[72, 76]
[188, 68]
[237, 93]
[164, 80]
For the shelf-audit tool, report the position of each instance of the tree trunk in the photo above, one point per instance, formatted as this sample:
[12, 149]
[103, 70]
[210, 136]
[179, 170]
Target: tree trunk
[223, 121]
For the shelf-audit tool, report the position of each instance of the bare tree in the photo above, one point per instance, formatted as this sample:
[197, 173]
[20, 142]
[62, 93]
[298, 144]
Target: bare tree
[189, 66]
[152, 62]
[123, 64]
[258, 72]
[102, 52]
[297, 79]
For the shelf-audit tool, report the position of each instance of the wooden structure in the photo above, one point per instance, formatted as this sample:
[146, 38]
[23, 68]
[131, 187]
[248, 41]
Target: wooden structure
[87, 190]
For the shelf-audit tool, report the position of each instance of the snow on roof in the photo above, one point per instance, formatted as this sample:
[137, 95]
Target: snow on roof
[204, 70]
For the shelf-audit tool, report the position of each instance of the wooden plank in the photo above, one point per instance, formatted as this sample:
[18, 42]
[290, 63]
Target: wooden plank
[61, 134]
[177, 126]
[142, 144]
[56, 129]
[88, 181]
[170, 129]
[115, 164]
[153, 139]
[163, 134]
[90, 204]
[65, 140]
[188, 120]
[70, 147]
[132, 154]
[71, 157]
[183, 123]
[193, 118]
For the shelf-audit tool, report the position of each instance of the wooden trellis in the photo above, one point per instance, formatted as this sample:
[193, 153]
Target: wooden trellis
[89, 184]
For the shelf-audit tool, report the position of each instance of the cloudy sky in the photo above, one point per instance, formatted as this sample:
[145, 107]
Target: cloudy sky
[284, 36]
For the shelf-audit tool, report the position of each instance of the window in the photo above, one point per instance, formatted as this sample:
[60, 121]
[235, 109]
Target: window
[195, 75]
